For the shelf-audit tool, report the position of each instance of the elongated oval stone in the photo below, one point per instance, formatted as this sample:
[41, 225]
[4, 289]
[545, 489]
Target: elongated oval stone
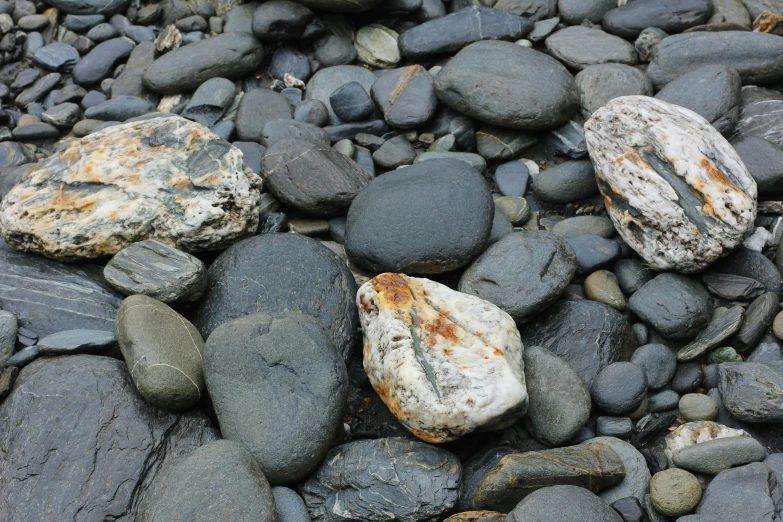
[675, 189]
[445, 363]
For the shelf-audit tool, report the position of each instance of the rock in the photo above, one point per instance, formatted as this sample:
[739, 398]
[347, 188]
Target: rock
[70, 342]
[732, 287]
[279, 387]
[475, 161]
[280, 128]
[210, 101]
[34, 93]
[672, 16]
[579, 47]
[619, 388]
[632, 275]
[760, 111]
[276, 273]
[620, 427]
[755, 56]
[594, 466]
[72, 199]
[501, 227]
[483, 373]
[257, 108]
[719, 329]
[536, 10]
[334, 493]
[326, 81]
[750, 391]
[687, 378]
[598, 84]
[451, 33]
[218, 480]
[729, 11]
[574, 12]
[376, 45]
[602, 286]
[290, 506]
[497, 144]
[522, 273]
[675, 492]
[159, 271]
[762, 159]
[312, 177]
[119, 109]
[56, 57]
[341, 6]
[348, 131]
[722, 355]
[516, 210]
[101, 61]
[512, 178]
[749, 492]
[694, 433]
[712, 92]
[593, 252]
[588, 335]
[68, 422]
[394, 153]
[90, 7]
[351, 102]
[559, 401]
[477, 516]
[336, 50]
[676, 306]
[713, 456]
[658, 364]
[476, 469]
[8, 330]
[563, 502]
[753, 265]
[698, 407]
[228, 55]
[35, 132]
[567, 182]
[663, 401]
[429, 218]
[511, 94]
[313, 112]
[756, 322]
[405, 96]
[682, 227]
[62, 116]
[637, 476]
[281, 20]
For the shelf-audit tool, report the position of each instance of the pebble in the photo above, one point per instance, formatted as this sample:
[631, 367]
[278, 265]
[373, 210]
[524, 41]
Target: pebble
[570, 502]
[676, 306]
[574, 12]
[602, 286]
[675, 492]
[281, 20]
[289, 505]
[579, 47]
[326, 81]
[70, 342]
[718, 330]
[672, 16]
[658, 363]
[56, 57]
[405, 96]
[713, 456]
[598, 84]
[665, 400]
[593, 252]
[512, 178]
[256, 109]
[748, 390]
[376, 45]
[753, 265]
[698, 407]
[570, 181]
[350, 102]
[101, 61]
[756, 321]
[619, 388]
[620, 427]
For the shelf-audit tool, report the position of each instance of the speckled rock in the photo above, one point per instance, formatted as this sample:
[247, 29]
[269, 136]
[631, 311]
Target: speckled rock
[676, 190]
[434, 373]
[164, 178]
[675, 492]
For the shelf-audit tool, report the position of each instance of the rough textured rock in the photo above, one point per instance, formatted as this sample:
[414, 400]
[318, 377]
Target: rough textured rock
[423, 356]
[279, 387]
[719, 329]
[218, 481]
[749, 492]
[760, 115]
[164, 178]
[557, 503]
[355, 481]
[78, 440]
[675, 189]
[8, 329]
[279, 273]
[751, 391]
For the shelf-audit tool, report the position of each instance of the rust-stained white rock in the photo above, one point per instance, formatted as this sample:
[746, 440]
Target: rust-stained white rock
[692, 433]
[445, 363]
[676, 190]
[168, 179]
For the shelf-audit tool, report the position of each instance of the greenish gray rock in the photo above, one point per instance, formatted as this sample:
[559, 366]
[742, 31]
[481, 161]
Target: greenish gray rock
[677, 307]
[751, 391]
[675, 492]
[578, 225]
[698, 407]
[70, 342]
[720, 328]
[559, 503]
[713, 456]
[722, 355]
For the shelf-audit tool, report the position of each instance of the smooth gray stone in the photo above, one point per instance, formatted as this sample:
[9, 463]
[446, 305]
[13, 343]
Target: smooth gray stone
[619, 388]
[578, 225]
[658, 363]
[90, 7]
[637, 475]
[501, 227]
[99, 63]
[157, 270]
[288, 60]
[754, 265]
[281, 20]
[257, 108]
[756, 321]
[394, 153]
[699, 407]
[253, 153]
[239, 19]
[349, 131]
[574, 12]
[579, 47]
[620, 427]
[768, 350]
[663, 401]
[764, 161]
[475, 161]
[336, 50]
[677, 307]
[535, 10]
[38, 90]
[405, 96]
[56, 57]
[67, 452]
[210, 101]
[600, 83]
[35, 132]
[313, 112]
[8, 329]
[748, 492]
[62, 116]
[290, 506]
[570, 181]
[102, 32]
[82, 23]
[498, 144]
[718, 330]
[594, 252]
[729, 11]
[713, 456]
[750, 391]
[24, 356]
[276, 130]
[712, 92]
[672, 16]
[326, 81]
[120, 108]
[687, 378]
[563, 503]
[70, 342]
[757, 57]
[228, 55]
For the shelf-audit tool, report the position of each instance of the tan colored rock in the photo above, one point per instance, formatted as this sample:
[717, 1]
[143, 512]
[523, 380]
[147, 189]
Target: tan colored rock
[445, 363]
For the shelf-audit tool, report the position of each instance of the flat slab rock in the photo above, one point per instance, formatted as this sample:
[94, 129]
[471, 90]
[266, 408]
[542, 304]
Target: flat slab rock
[675, 189]
[445, 363]
[165, 178]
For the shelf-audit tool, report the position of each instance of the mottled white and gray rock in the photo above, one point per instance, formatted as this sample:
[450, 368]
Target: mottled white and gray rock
[445, 363]
[164, 178]
[692, 433]
[675, 189]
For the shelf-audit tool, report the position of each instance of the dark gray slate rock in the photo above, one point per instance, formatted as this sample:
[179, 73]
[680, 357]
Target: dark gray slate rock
[101, 61]
[476, 469]
[90, 7]
[38, 90]
[658, 363]
[79, 439]
[279, 387]
[499, 144]
[732, 287]
[751, 391]
[352, 482]
[600, 83]
[455, 31]
[210, 101]
[429, 218]
[593, 252]
[351, 102]
[326, 81]
[677, 307]
[341, 6]
[672, 16]
[588, 335]
[687, 378]
[290, 506]
[719, 329]
[756, 322]
[71, 342]
[219, 481]
[288, 60]
[521, 88]
[312, 177]
[405, 96]
[158, 271]
[761, 115]
[394, 153]
[764, 161]
[348, 131]
[522, 274]
[276, 130]
[712, 92]
[57, 57]
[35, 132]
[227, 55]
[277, 273]
[579, 47]
[757, 57]
[501, 227]
[257, 108]
[663, 401]
[313, 112]
[574, 12]
[563, 503]
[565, 183]
[753, 265]
[281, 20]
[336, 50]
[749, 492]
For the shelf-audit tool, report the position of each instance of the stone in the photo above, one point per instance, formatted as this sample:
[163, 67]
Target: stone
[159, 271]
[748, 492]
[594, 252]
[350, 102]
[56, 57]
[760, 111]
[68, 422]
[718, 330]
[753, 265]
[477, 516]
[119, 109]
[210, 101]
[675, 492]
[658, 363]
[280, 128]
[722, 355]
[563, 502]
[516, 209]
[672, 16]
[593, 466]
[91, 7]
[8, 330]
[567, 182]
[281, 20]
[228, 55]
[637, 475]
[574, 12]
[619, 388]
[193, 193]
[579, 47]
[256, 109]
[498, 144]
[501, 227]
[729, 11]
[279, 387]
[70, 342]
[313, 112]
[326, 81]
[476, 469]
[755, 56]
[713, 456]
[762, 159]
[218, 480]
[35, 132]
[511, 94]
[341, 6]
[397, 224]
[347, 131]
[750, 391]
[401, 315]
[687, 378]
[336, 50]
[677, 307]
[536, 10]
[276, 273]
[512, 178]
[99, 63]
[697, 407]
[756, 322]
[405, 96]
[475, 161]
[682, 227]
[290, 506]
[335, 492]
[62, 116]
[588, 335]
[620, 427]
[665, 400]
[598, 84]
[732, 287]
[394, 153]
[602, 286]
[38, 90]
[694, 433]
[559, 402]
[376, 45]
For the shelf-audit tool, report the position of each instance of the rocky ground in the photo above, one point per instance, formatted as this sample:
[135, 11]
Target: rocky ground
[414, 260]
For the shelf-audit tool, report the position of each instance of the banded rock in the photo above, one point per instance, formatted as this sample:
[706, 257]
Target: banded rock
[675, 189]
[165, 178]
[444, 363]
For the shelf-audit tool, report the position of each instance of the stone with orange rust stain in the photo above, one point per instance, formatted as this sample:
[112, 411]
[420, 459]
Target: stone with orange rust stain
[405, 96]
[676, 190]
[167, 179]
[445, 363]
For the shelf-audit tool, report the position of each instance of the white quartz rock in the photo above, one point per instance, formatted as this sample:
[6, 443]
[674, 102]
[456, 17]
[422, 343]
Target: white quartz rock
[444, 362]
[675, 189]
[692, 433]
[168, 179]
[758, 239]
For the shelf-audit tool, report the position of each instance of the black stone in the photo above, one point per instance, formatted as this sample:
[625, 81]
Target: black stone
[687, 378]
[56, 57]
[619, 388]
[658, 363]
[257, 108]
[754, 265]
[594, 252]
[276, 130]
[35, 132]
[272, 223]
[279, 20]
[209, 102]
[629, 509]
[336, 50]
[565, 183]
[99, 63]
[756, 321]
[253, 153]
[349, 131]
[764, 161]
[313, 112]
[732, 287]
[288, 60]
[120, 108]
[394, 153]
[351, 102]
